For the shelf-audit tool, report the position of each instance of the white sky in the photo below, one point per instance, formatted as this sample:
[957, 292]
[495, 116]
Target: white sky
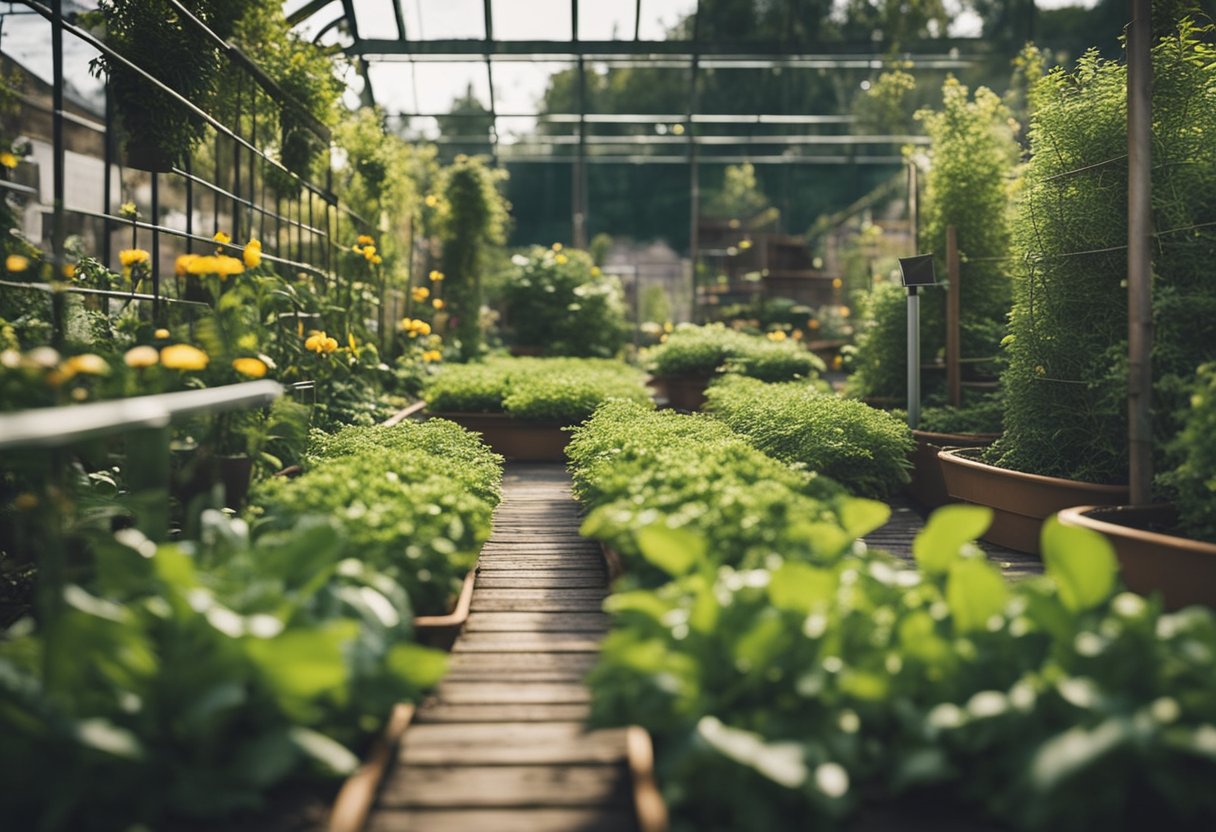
[429, 87]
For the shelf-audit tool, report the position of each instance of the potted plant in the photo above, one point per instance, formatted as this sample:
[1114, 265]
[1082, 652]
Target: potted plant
[1065, 437]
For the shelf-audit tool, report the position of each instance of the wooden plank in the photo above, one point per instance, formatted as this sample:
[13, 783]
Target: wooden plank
[503, 820]
[444, 712]
[507, 786]
[509, 581]
[537, 622]
[506, 743]
[529, 642]
[499, 568]
[512, 693]
[506, 660]
[536, 604]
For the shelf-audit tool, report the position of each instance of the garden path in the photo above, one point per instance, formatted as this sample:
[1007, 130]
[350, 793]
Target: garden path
[501, 746]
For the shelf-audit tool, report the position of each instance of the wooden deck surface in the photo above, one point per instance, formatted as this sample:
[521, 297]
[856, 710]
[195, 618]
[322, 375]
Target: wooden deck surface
[501, 745]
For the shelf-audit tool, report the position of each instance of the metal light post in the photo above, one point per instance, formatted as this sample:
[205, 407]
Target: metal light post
[915, 272]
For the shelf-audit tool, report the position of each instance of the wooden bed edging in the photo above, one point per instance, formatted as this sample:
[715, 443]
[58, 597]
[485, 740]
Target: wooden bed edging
[647, 801]
[440, 631]
[358, 793]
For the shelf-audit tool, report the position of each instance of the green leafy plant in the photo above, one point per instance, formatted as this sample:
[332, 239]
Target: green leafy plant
[1192, 481]
[1066, 381]
[982, 414]
[567, 390]
[864, 449]
[704, 350]
[559, 300]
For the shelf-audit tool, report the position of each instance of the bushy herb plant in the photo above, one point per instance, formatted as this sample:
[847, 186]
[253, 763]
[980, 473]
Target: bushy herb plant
[704, 350]
[1192, 481]
[565, 390]
[982, 414]
[559, 300]
[1066, 383]
[795, 695]
[864, 449]
[402, 505]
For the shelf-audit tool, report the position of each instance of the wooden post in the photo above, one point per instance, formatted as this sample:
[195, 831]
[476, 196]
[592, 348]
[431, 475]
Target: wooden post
[954, 373]
[1139, 262]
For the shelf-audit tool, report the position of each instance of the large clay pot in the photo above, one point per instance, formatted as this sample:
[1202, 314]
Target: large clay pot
[682, 392]
[1181, 569]
[927, 485]
[519, 440]
[1020, 502]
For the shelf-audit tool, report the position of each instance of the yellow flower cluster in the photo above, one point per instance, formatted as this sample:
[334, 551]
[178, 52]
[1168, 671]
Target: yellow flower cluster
[561, 259]
[8, 160]
[432, 356]
[437, 303]
[252, 254]
[16, 263]
[776, 335]
[421, 293]
[250, 367]
[431, 201]
[141, 356]
[366, 246]
[183, 357]
[219, 264]
[415, 327]
[222, 238]
[319, 343]
[436, 276]
[130, 257]
[365, 240]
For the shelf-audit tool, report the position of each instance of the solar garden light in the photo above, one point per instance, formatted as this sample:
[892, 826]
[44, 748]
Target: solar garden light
[915, 272]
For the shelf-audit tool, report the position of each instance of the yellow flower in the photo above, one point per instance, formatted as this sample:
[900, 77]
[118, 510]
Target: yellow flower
[365, 240]
[330, 344]
[557, 246]
[357, 249]
[300, 328]
[377, 260]
[89, 364]
[837, 282]
[129, 210]
[250, 367]
[744, 245]
[16, 263]
[431, 200]
[315, 342]
[421, 293]
[220, 264]
[423, 328]
[369, 252]
[844, 312]
[436, 276]
[350, 341]
[437, 303]
[595, 271]
[812, 324]
[668, 326]
[797, 335]
[142, 356]
[431, 356]
[663, 338]
[183, 357]
[222, 238]
[837, 362]
[561, 259]
[8, 160]
[252, 254]
[182, 264]
[161, 334]
[69, 271]
[133, 257]
[776, 335]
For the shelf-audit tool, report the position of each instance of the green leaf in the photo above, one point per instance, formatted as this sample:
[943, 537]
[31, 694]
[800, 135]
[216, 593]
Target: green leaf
[948, 529]
[798, 587]
[675, 551]
[640, 602]
[420, 666]
[265, 759]
[1071, 752]
[333, 756]
[975, 593]
[104, 736]
[1081, 562]
[860, 516]
[306, 663]
[782, 762]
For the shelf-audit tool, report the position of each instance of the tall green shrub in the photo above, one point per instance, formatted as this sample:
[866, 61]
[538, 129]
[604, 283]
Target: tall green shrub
[1067, 381]
[972, 158]
[473, 217]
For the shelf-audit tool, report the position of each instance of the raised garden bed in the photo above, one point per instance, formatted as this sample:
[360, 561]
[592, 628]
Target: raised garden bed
[927, 485]
[519, 440]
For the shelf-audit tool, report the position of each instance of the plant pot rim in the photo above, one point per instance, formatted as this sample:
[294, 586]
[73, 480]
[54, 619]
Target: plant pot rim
[457, 415]
[1090, 518]
[963, 457]
[951, 439]
[459, 614]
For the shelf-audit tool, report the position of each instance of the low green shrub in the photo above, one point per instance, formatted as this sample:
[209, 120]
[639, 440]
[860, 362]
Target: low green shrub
[558, 299]
[554, 389]
[864, 449]
[982, 415]
[419, 515]
[187, 681]
[1192, 482]
[704, 350]
[793, 695]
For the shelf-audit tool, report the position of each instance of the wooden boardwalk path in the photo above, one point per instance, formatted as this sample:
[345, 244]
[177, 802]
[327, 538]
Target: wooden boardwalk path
[500, 746]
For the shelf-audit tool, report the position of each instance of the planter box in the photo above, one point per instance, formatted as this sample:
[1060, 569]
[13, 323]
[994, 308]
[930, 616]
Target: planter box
[358, 793]
[440, 631]
[648, 803]
[1181, 569]
[682, 392]
[1020, 501]
[519, 440]
[927, 485]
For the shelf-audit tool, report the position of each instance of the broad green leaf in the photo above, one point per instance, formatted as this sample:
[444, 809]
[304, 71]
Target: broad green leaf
[304, 664]
[422, 667]
[762, 642]
[948, 529]
[782, 762]
[828, 541]
[675, 551]
[1081, 562]
[799, 587]
[861, 516]
[1071, 752]
[224, 695]
[333, 756]
[265, 759]
[641, 602]
[104, 736]
[975, 592]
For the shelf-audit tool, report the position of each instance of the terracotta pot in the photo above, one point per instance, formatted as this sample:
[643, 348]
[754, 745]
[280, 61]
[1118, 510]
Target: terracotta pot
[682, 392]
[235, 472]
[519, 440]
[1020, 501]
[927, 486]
[525, 350]
[144, 154]
[1181, 569]
[440, 631]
